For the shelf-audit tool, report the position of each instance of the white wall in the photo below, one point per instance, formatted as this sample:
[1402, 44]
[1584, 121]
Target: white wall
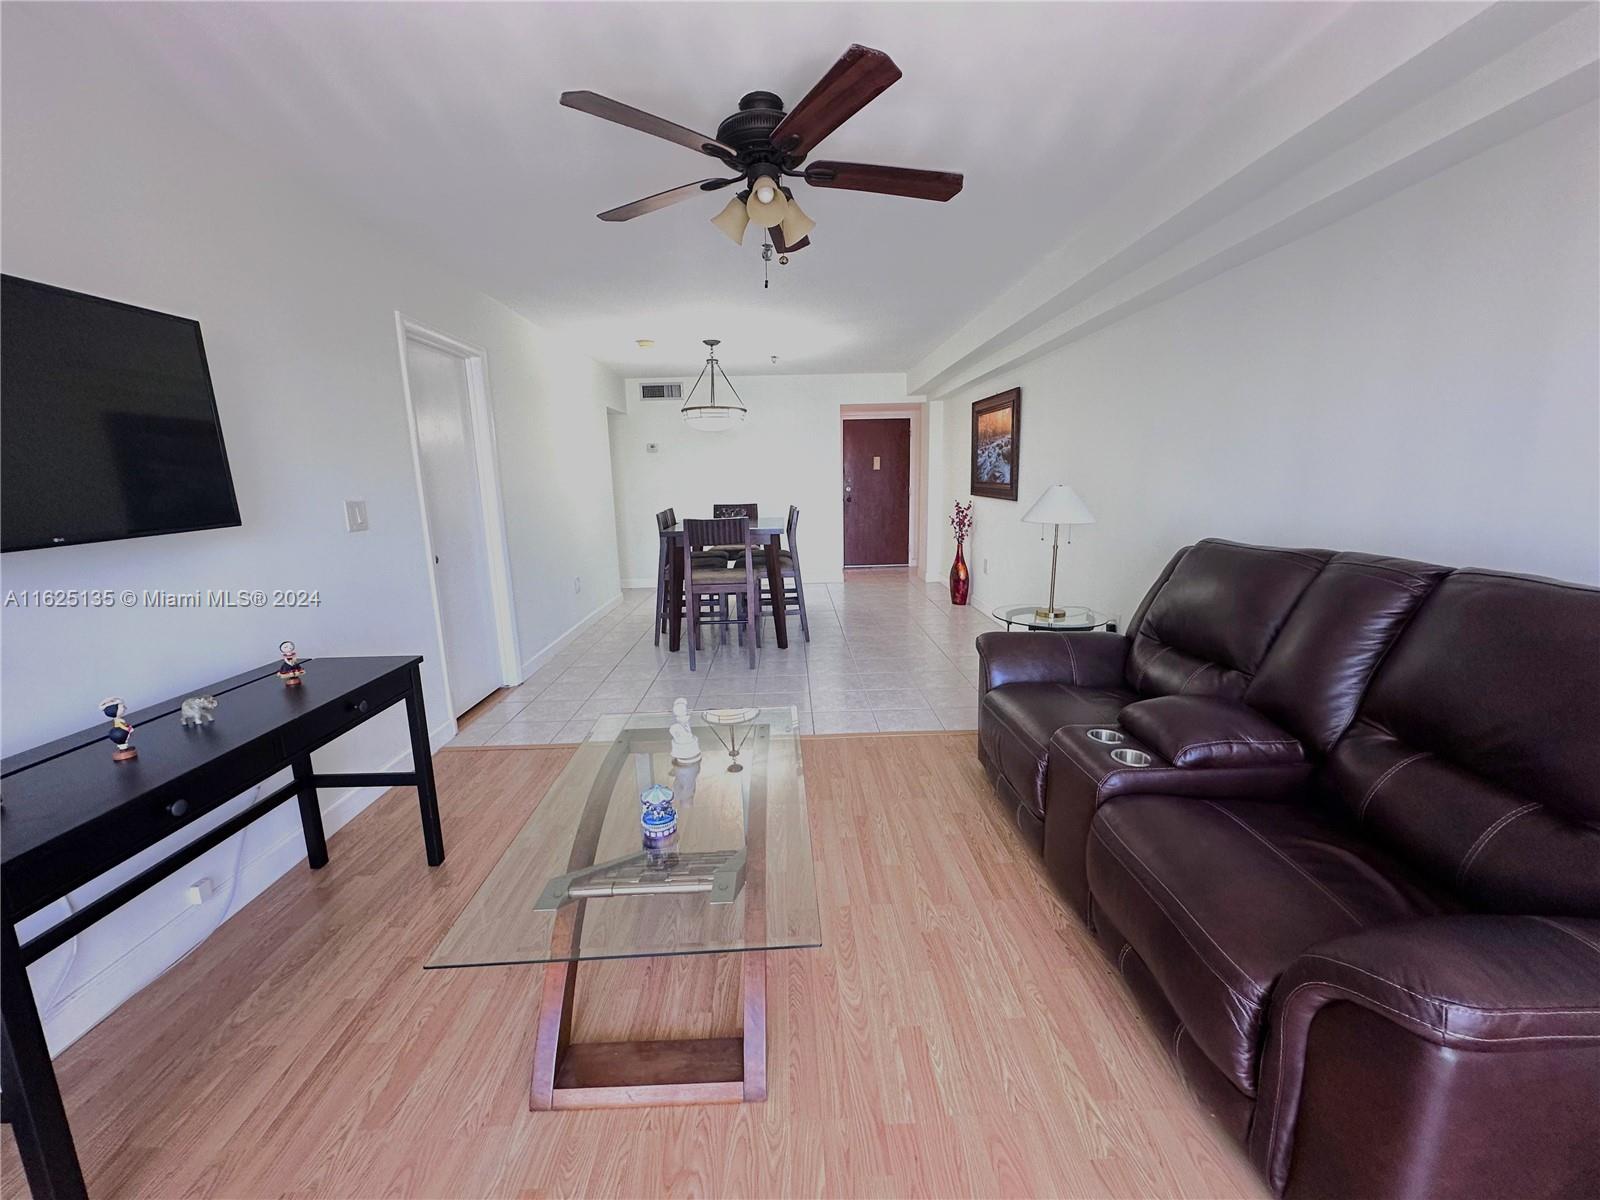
[1418, 379]
[787, 452]
[112, 189]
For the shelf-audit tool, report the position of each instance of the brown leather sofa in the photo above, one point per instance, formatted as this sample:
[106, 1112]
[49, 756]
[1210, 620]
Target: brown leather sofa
[1349, 862]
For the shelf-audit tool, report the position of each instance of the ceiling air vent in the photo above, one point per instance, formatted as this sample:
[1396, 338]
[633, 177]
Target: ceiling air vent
[661, 391]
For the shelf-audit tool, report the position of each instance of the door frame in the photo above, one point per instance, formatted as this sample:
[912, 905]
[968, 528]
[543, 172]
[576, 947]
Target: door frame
[917, 517]
[497, 549]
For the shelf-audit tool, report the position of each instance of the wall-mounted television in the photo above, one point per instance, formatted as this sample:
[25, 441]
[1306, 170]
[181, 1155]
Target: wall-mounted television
[108, 424]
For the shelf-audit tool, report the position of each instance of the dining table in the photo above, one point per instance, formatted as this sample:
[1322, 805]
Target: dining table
[772, 534]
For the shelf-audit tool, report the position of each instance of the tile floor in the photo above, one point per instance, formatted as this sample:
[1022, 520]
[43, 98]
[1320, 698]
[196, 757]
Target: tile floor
[888, 652]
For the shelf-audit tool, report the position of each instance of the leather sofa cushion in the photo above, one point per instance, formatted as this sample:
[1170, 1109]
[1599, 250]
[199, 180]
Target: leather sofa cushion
[1474, 755]
[1015, 723]
[1219, 897]
[1210, 625]
[1207, 731]
[1316, 671]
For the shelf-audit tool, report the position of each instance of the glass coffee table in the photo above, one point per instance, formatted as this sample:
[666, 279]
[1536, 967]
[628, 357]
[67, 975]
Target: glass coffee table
[578, 884]
[1075, 617]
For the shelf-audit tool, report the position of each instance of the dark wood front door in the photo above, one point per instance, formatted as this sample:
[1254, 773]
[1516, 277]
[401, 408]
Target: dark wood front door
[877, 492]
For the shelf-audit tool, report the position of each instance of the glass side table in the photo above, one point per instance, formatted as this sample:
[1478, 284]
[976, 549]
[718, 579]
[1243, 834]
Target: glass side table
[1026, 616]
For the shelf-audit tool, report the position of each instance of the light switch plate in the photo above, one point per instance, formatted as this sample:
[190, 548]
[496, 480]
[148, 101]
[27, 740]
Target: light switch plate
[355, 515]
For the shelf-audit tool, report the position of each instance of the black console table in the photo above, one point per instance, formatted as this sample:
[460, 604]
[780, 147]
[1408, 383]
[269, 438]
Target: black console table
[71, 814]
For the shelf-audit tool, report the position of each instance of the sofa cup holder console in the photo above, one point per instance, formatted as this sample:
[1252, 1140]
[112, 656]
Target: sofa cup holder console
[1109, 737]
[1131, 758]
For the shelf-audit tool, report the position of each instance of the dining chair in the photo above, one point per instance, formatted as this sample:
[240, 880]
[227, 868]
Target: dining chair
[668, 519]
[720, 584]
[665, 520]
[734, 510]
[794, 599]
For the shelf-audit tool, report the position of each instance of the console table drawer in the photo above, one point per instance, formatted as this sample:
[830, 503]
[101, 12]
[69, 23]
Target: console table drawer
[328, 722]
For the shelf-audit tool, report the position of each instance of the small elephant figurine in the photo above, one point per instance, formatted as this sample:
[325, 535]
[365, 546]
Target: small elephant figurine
[196, 711]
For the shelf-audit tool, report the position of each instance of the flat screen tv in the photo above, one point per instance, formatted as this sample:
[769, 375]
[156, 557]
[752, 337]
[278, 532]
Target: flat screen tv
[108, 424]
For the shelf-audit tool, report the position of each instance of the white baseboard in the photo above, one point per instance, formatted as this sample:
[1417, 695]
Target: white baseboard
[530, 665]
[634, 584]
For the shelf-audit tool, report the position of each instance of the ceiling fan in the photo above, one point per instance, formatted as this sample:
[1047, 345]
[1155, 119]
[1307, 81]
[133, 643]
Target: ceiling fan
[765, 144]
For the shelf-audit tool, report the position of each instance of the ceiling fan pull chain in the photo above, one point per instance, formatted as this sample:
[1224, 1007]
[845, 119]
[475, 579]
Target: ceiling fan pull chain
[766, 264]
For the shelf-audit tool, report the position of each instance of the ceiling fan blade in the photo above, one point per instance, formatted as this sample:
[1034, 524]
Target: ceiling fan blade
[860, 75]
[650, 204]
[778, 244]
[891, 181]
[608, 109]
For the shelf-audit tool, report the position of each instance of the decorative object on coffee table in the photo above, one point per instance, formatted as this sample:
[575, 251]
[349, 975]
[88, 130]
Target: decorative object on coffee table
[196, 711]
[996, 437]
[657, 817]
[120, 734]
[960, 577]
[289, 670]
[731, 719]
[1059, 506]
[685, 746]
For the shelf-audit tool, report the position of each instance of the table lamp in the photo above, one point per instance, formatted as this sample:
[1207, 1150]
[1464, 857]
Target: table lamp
[1059, 506]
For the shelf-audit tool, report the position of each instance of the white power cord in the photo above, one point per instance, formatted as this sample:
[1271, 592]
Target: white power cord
[56, 993]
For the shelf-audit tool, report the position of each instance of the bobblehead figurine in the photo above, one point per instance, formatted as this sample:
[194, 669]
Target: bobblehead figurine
[289, 670]
[120, 734]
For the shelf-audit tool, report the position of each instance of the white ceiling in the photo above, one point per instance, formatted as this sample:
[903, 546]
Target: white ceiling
[440, 123]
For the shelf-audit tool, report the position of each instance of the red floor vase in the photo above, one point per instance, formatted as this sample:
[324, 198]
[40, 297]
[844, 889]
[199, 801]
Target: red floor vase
[960, 579]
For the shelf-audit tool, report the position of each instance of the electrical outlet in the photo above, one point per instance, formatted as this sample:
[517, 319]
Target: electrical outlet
[652, 447]
[355, 515]
[199, 892]
[577, 583]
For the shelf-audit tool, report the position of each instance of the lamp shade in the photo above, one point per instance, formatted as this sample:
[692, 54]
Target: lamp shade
[796, 224]
[767, 206]
[1059, 505]
[732, 221]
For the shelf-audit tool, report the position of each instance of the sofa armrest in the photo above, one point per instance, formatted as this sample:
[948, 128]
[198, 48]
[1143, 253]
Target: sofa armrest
[1209, 731]
[1519, 996]
[1082, 659]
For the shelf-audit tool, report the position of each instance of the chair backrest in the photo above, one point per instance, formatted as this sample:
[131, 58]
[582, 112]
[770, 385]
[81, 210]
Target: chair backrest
[1473, 755]
[665, 520]
[719, 531]
[792, 528]
[735, 510]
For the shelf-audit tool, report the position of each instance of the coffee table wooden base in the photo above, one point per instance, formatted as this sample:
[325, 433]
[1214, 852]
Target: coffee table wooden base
[624, 1074]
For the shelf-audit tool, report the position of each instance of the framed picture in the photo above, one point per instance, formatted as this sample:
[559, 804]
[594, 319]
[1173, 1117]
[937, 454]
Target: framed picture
[996, 437]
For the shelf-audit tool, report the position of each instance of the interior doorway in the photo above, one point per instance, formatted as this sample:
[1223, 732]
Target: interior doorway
[452, 438]
[877, 491]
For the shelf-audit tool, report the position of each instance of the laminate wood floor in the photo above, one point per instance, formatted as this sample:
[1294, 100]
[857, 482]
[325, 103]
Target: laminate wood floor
[958, 1034]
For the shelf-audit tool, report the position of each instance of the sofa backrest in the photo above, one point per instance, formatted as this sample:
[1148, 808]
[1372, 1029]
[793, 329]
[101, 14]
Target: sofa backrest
[1319, 666]
[1210, 620]
[1475, 753]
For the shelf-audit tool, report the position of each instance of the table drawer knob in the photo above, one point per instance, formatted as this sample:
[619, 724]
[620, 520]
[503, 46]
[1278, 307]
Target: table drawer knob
[177, 808]
[359, 706]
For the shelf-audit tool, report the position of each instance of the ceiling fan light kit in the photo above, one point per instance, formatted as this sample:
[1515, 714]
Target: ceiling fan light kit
[765, 145]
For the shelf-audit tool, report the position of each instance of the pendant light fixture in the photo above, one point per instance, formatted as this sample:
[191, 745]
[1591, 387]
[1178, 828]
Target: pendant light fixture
[708, 415]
